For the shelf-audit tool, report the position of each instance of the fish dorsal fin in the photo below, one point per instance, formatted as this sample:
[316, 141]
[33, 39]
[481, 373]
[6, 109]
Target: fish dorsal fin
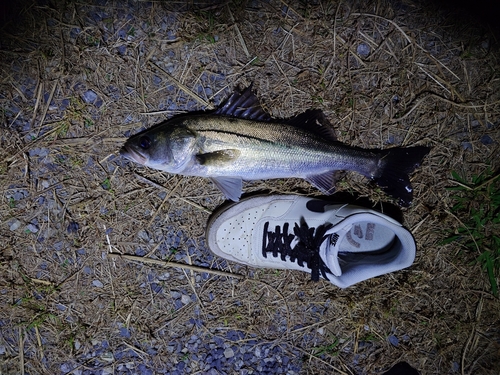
[324, 182]
[314, 121]
[243, 105]
[218, 158]
[230, 186]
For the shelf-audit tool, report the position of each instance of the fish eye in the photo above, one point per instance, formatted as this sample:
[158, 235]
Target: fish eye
[145, 142]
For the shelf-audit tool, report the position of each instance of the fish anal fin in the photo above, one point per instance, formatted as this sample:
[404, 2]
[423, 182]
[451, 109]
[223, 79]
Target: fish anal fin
[325, 182]
[218, 158]
[245, 105]
[231, 187]
[314, 121]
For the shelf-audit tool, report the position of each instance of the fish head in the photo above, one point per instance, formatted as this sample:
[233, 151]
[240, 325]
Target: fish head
[167, 150]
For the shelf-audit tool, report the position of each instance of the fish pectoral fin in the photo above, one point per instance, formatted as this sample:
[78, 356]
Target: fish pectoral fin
[230, 186]
[324, 182]
[218, 158]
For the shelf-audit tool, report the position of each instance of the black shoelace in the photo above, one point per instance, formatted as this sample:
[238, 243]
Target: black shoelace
[305, 251]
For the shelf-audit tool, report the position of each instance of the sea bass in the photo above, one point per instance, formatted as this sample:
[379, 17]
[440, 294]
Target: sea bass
[240, 141]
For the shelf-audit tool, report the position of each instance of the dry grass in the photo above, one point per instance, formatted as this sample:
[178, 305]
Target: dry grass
[425, 81]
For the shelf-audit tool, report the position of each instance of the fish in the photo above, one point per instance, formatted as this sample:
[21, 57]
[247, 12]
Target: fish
[240, 141]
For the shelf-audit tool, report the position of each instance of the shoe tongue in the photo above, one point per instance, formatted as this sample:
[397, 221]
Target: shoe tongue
[329, 250]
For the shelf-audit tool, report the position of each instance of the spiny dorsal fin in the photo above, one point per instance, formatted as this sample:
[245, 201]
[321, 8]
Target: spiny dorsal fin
[243, 105]
[314, 121]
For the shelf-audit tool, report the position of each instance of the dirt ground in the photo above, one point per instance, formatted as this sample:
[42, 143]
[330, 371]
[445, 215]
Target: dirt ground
[78, 78]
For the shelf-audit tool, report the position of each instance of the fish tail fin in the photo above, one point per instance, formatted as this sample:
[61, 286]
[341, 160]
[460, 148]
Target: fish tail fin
[396, 165]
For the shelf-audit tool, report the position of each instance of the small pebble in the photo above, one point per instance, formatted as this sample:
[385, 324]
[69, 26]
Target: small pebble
[257, 352]
[32, 228]
[73, 227]
[122, 49]
[97, 284]
[65, 368]
[15, 225]
[18, 195]
[185, 299]
[156, 288]
[143, 235]
[363, 49]
[175, 295]
[467, 145]
[89, 96]
[487, 140]
[228, 353]
[393, 340]
[124, 332]
[156, 80]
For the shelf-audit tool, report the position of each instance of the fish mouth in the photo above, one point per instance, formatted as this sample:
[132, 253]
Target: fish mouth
[131, 154]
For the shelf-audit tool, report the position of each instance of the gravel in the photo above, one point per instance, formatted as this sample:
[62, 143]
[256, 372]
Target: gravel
[215, 352]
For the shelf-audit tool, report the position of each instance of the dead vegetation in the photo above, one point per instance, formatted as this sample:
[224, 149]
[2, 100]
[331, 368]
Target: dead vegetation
[77, 79]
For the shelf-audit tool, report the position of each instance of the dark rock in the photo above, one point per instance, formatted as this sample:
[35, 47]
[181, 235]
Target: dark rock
[401, 368]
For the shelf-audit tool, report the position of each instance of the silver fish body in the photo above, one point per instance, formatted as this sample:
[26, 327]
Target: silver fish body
[228, 149]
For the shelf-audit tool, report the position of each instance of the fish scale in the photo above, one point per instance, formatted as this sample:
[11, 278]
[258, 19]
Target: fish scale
[298, 152]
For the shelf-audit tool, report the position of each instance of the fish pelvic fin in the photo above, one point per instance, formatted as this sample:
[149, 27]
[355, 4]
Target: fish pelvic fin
[231, 187]
[396, 164]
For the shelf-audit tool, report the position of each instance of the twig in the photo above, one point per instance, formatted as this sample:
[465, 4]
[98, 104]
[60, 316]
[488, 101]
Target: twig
[472, 334]
[21, 350]
[466, 228]
[167, 197]
[238, 33]
[135, 349]
[37, 104]
[107, 239]
[184, 87]
[162, 263]
[385, 19]
[338, 371]
[156, 113]
[487, 182]
[43, 282]
[285, 76]
[150, 182]
[289, 7]
[39, 341]
[462, 185]
[194, 205]
[448, 101]
[51, 95]
[428, 74]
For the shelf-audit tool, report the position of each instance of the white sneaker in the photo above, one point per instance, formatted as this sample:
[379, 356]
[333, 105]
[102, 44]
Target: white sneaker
[342, 243]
